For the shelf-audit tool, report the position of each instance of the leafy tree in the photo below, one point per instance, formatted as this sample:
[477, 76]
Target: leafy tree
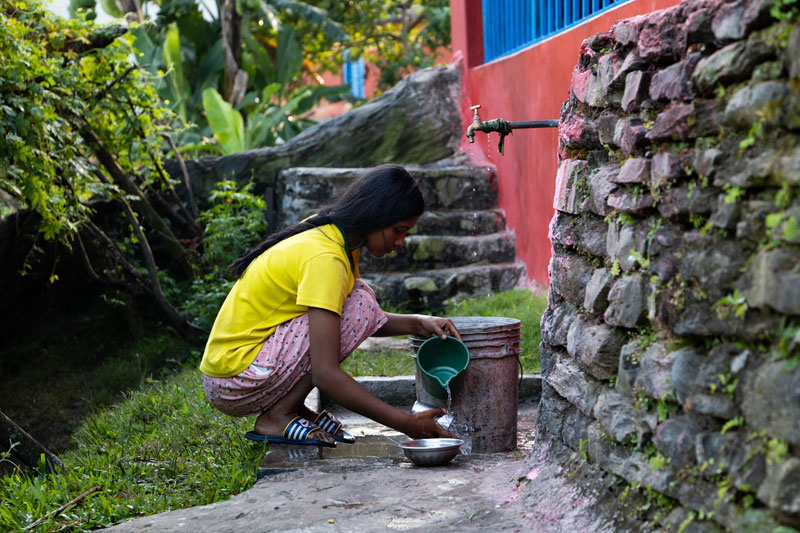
[84, 129]
[398, 37]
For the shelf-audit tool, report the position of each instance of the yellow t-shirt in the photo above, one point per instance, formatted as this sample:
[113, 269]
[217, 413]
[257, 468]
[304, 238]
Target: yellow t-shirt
[310, 269]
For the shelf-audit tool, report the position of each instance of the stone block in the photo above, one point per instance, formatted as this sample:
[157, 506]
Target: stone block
[576, 130]
[555, 323]
[698, 27]
[595, 346]
[629, 135]
[753, 214]
[674, 82]
[636, 92]
[586, 233]
[726, 215]
[772, 280]
[662, 39]
[771, 400]
[727, 24]
[788, 165]
[634, 170]
[572, 383]
[570, 185]
[749, 104]
[686, 364]
[600, 187]
[655, 371]
[569, 274]
[665, 168]
[732, 63]
[715, 450]
[672, 124]
[596, 296]
[630, 201]
[628, 369]
[684, 201]
[675, 438]
[790, 56]
[627, 31]
[706, 162]
[621, 239]
[781, 490]
[616, 412]
[627, 301]
[712, 404]
[606, 123]
[714, 261]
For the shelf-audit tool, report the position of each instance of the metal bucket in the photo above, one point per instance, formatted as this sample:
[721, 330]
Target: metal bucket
[485, 410]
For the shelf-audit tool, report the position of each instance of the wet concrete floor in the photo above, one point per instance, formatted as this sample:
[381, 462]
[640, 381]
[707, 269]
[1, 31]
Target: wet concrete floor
[366, 486]
[371, 486]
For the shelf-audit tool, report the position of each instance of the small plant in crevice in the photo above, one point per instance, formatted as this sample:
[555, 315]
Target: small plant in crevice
[732, 303]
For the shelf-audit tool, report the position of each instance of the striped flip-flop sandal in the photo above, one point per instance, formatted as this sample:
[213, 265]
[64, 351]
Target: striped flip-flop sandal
[298, 431]
[328, 422]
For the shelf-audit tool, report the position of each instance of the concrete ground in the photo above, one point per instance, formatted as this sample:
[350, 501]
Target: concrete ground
[366, 486]
[371, 486]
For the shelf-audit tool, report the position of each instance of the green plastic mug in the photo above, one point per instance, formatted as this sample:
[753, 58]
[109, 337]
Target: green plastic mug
[442, 362]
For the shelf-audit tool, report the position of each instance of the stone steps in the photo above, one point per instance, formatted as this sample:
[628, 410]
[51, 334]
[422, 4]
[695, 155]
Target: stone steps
[429, 289]
[463, 187]
[426, 252]
[459, 248]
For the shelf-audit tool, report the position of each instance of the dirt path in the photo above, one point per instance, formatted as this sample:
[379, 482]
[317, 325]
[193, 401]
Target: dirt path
[371, 486]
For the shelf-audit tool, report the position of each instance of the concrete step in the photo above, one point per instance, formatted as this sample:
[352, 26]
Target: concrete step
[425, 252]
[302, 190]
[460, 222]
[429, 289]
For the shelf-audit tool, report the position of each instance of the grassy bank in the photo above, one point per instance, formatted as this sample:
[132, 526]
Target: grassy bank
[162, 448]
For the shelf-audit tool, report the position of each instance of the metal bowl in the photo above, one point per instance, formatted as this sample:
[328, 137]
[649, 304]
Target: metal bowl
[431, 452]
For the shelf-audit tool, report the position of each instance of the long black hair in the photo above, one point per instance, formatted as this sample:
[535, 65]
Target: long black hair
[376, 200]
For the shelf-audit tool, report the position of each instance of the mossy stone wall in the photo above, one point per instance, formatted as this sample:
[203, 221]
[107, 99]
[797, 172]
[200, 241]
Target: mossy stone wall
[671, 341]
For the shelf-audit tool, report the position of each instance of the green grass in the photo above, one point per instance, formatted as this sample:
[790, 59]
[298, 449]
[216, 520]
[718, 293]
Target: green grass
[81, 369]
[525, 305]
[162, 448]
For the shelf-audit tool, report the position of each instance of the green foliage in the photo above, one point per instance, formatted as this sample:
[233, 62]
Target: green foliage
[224, 121]
[642, 261]
[163, 448]
[731, 424]
[732, 194]
[396, 37]
[234, 222]
[49, 95]
[734, 302]
[784, 9]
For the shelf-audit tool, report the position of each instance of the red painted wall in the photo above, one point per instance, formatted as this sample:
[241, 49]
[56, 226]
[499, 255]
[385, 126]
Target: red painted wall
[529, 85]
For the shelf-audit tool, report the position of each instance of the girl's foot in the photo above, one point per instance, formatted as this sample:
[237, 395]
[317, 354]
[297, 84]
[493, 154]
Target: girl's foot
[269, 423]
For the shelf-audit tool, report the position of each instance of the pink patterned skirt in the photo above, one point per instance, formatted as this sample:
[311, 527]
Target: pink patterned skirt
[285, 357]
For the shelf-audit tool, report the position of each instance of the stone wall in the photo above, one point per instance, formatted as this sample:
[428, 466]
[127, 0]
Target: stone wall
[671, 341]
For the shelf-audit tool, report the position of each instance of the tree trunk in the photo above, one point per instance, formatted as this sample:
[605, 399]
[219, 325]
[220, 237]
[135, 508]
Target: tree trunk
[176, 252]
[235, 77]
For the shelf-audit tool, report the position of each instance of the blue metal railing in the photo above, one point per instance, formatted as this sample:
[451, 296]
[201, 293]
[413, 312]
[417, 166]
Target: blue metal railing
[510, 25]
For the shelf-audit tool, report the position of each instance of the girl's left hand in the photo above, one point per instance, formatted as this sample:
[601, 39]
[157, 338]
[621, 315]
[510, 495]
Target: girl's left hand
[437, 326]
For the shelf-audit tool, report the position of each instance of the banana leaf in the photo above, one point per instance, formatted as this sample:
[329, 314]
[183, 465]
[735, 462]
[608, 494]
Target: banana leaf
[225, 122]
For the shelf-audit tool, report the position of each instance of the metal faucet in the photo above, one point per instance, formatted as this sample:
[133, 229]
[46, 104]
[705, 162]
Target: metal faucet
[503, 127]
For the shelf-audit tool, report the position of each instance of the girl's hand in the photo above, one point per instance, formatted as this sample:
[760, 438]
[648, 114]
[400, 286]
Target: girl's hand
[423, 425]
[437, 326]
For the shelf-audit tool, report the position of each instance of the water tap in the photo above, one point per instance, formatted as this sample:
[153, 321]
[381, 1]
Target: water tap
[476, 122]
